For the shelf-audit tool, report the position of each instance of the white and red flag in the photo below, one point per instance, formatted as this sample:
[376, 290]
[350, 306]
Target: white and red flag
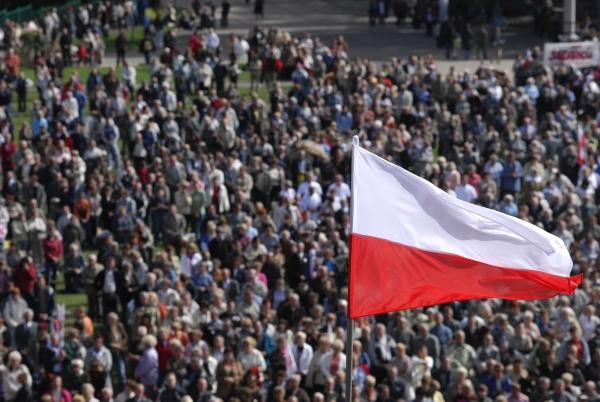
[414, 245]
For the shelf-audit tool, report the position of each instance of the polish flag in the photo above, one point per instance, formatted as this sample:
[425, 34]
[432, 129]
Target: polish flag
[414, 245]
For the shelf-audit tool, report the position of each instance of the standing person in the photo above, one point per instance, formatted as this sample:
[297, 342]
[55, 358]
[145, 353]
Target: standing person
[44, 300]
[400, 10]
[24, 278]
[147, 47]
[511, 175]
[22, 85]
[36, 233]
[99, 362]
[12, 62]
[24, 393]
[89, 274]
[447, 34]
[229, 374]
[498, 42]
[481, 41]
[111, 137]
[53, 252]
[121, 47]
[115, 335]
[173, 226]
[14, 310]
[334, 361]
[255, 67]
[259, 8]
[107, 282]
[381, 11]
[372, 13]
[11, 374]
[466, 37]
[26, 337]
[146, 370]
[225, 8]
[65, 46]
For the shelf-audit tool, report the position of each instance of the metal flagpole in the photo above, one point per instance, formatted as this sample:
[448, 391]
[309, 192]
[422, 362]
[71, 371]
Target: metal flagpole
[350, 325]
[349, 351]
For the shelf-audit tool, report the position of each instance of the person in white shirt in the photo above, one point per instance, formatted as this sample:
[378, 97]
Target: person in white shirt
[312, 202]
[93, 152]
[50, 95]
[465, 191]
[212, 41]
[341, 189]
[421, 366]
[70, 107]
[190, 260]
[303, 188]
[167, 295]
[128, 75]
[288, 192]
[302, 352]
[240, 49]
[170, 98]
[171, 130]
[204, 76]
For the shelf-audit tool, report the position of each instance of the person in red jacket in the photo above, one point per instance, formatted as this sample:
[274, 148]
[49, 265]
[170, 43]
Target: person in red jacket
[7, 150]
[24, 277]
[195, 43]
[53, 253]
[13, 63]
[163, 347]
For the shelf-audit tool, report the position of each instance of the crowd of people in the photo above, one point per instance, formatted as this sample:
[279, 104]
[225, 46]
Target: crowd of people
[209, 231]
[466, 28]
[462, 28]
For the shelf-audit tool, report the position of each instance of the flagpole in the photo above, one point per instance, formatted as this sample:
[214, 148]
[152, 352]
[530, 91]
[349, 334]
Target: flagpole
[350, 324]
[349, 352]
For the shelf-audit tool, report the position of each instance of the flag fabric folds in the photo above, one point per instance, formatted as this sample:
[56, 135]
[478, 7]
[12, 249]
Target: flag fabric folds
[414, 245]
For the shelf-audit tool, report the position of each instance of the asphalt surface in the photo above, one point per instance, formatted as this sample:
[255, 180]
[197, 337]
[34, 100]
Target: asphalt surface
[328, 19]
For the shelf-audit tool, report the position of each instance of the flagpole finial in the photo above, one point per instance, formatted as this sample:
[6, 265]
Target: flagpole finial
[355, 140]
